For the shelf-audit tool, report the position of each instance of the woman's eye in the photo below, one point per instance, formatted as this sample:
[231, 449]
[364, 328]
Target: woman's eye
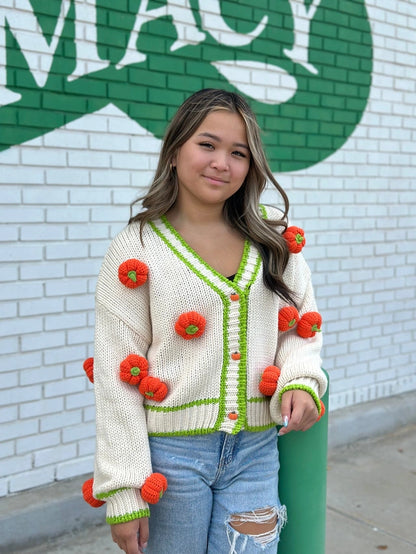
[239, 154]
[207, 145]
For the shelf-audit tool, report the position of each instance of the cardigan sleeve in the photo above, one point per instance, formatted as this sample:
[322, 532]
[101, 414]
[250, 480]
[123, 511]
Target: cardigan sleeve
[299, 358]
[122, 461]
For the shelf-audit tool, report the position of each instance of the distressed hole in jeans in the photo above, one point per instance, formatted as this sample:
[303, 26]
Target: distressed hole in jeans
[263, 526]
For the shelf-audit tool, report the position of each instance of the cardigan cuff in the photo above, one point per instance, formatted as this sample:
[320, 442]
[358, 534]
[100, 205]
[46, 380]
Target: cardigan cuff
[125, 505]
[308, 384]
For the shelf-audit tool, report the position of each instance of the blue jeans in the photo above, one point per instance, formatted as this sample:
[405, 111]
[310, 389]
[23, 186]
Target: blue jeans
[210, 478]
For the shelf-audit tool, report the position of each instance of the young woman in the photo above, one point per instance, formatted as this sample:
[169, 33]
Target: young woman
[187, 321]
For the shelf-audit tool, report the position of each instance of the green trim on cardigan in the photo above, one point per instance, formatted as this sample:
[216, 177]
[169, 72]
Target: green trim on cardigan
[306, 389]
[128, 517]
[167, 409]
[183, 242]
[242, 368]
[185, 260]
[250, 429]
[258, 399]
[263, 211]
[243, 262]
[203, 431]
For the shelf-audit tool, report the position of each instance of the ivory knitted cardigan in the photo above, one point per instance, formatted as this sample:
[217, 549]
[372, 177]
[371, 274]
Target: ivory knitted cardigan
[212, 376]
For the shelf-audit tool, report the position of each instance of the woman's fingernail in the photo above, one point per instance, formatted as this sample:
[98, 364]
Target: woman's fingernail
[285, 421]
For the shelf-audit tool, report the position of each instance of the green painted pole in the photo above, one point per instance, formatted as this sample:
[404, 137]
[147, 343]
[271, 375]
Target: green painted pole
[302, 487]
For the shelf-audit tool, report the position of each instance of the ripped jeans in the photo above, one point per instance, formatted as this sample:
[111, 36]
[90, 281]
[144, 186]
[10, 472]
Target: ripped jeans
[212, 479]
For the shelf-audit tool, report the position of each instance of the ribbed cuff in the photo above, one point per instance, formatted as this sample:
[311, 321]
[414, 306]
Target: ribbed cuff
[308, 385]
[125, 505]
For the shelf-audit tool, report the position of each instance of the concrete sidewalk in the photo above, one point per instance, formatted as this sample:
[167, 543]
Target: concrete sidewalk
[371, 502]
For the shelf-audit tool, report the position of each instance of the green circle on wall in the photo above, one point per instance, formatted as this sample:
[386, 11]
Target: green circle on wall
[304, 66]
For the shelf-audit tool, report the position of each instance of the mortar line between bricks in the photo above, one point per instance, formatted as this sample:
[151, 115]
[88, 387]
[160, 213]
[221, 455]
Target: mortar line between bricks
[373, 527]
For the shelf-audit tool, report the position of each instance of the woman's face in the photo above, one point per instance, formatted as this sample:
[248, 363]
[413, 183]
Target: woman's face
[213, 163]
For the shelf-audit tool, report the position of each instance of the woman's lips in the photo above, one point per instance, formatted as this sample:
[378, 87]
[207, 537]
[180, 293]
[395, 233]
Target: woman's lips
[215, 180]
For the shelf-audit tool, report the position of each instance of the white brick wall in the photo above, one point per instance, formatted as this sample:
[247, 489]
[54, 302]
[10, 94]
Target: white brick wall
[65, 194]
[362, 227]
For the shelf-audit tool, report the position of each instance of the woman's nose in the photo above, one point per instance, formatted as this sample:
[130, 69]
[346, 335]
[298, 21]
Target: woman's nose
[220, 161]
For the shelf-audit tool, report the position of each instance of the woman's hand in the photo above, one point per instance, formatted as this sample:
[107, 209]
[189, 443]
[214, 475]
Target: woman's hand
[131, 536]
[300, 409]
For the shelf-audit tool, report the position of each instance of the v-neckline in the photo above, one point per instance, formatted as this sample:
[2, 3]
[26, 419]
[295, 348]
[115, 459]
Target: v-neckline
[241, 264]
[247, 271]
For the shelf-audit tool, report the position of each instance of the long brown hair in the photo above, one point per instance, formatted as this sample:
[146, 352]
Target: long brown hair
[241, 210]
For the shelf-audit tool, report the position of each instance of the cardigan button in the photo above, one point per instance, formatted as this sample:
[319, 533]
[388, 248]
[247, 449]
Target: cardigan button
[233, 415]
[236, 355]
[234, 296]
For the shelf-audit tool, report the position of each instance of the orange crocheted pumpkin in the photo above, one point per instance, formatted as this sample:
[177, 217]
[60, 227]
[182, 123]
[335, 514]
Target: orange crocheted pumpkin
[268, 383]
[87, 494]
[322, 413]
[133, 273]
[295, 238]
[190, 325]
[154, 488]
[288, 317]
[133, 369]
[153, 388]
[309, 324]
[88, 366]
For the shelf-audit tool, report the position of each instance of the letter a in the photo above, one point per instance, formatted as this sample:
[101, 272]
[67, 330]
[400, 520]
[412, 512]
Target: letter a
[183, 21]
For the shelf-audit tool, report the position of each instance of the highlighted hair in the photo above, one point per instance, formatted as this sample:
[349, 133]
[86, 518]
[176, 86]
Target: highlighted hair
[241, 210]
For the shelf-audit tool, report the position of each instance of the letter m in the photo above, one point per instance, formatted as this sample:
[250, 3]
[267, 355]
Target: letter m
[25, 28]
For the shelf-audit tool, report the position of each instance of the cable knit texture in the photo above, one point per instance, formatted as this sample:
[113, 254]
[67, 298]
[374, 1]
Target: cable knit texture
[212, 380]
